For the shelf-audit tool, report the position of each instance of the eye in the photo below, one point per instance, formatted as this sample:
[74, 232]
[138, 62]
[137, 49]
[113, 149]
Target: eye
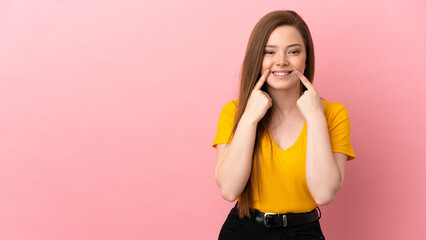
[269, 52]
[294, 51]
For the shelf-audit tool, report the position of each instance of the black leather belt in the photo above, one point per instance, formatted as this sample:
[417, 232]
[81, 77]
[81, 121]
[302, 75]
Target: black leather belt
[284, 220]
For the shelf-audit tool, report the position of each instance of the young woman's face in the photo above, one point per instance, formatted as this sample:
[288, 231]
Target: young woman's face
[284, 52]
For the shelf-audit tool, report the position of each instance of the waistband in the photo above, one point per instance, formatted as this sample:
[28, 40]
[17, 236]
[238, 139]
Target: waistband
[282, 219]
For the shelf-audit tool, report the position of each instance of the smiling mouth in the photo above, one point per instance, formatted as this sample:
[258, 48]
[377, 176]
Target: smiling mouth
[282, 73]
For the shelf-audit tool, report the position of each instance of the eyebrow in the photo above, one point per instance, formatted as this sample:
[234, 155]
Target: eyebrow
[291, 45]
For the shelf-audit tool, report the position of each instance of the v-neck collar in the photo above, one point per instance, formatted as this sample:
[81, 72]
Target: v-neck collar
[294, 144]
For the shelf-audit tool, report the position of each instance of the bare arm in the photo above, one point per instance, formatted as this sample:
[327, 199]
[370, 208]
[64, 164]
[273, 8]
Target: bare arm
[234, 160]
[325, 170]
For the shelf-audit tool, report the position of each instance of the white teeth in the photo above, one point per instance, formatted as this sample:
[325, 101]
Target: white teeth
[281, 73]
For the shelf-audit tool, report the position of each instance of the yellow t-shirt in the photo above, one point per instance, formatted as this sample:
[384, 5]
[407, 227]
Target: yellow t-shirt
[283, 185]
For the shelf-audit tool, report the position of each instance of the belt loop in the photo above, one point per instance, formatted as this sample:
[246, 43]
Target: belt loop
[319, 217]
[285, 223]
[236, 204]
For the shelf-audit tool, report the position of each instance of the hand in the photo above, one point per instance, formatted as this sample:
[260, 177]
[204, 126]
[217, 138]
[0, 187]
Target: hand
[309, 104]
[259, 101]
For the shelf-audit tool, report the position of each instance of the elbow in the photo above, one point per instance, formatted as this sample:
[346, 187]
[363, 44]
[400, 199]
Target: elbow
[327, 196]
[226, 193]
[229, 196]
[324, 200]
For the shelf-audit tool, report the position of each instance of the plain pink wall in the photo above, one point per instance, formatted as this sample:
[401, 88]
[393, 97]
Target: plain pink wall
[109, 109]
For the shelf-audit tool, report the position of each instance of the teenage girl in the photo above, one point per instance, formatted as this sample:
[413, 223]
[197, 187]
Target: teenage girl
[281, 149]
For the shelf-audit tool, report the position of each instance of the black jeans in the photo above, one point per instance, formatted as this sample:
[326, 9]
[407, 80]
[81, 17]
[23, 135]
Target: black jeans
[246, 228]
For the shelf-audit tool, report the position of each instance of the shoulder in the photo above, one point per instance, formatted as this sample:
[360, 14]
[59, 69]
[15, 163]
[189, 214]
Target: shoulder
[334, 109]
[229, 111]
[231, 106]
[232, 103]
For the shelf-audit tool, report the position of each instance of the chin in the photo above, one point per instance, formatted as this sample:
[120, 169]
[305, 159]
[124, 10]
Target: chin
[282, 85]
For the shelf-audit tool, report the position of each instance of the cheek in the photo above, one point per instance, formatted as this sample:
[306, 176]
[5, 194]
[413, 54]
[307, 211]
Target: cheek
[299, 63]
[303, 62]
[266, 65]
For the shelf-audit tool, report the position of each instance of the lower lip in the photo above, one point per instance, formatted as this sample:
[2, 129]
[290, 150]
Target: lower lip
[283, 76]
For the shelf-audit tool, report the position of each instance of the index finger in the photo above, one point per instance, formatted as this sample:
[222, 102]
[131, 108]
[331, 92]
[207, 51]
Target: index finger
[305, 81]
[262, 80]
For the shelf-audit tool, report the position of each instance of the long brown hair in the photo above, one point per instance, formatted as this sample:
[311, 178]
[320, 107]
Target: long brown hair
[250, 74]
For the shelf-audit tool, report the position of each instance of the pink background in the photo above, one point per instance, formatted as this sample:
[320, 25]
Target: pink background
[109, 109]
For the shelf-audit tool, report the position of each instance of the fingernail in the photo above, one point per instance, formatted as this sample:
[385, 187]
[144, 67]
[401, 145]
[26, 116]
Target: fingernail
[267, 70]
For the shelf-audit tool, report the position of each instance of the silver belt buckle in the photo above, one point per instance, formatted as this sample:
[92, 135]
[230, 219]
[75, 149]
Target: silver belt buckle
[266, 216]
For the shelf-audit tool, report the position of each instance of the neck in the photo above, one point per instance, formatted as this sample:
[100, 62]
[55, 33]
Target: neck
[284, 103]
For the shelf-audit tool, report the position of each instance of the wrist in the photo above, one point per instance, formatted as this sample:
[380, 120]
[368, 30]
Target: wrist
[316, 117]
[247, 120]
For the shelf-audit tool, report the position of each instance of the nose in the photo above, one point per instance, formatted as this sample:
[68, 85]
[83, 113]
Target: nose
[282, 59]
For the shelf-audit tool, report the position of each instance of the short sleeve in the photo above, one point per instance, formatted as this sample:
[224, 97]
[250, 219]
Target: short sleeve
[340, 131]
[226, 123]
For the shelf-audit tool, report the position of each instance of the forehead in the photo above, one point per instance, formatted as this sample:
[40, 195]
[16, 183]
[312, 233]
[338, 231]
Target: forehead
[285, 35]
